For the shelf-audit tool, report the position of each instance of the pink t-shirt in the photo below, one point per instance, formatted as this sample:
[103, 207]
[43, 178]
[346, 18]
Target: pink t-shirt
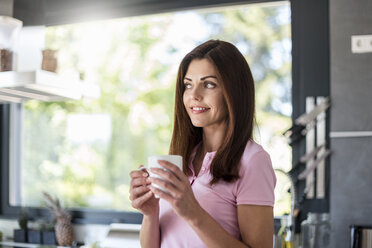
[255, 187]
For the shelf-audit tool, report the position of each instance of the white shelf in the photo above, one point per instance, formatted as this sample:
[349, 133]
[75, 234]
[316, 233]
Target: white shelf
[350, 134]
[44, 86]
[26, 245]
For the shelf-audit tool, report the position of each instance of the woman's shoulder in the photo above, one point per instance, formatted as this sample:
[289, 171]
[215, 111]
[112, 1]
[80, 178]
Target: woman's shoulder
[257, 178]
[253, 155]
[252, 149]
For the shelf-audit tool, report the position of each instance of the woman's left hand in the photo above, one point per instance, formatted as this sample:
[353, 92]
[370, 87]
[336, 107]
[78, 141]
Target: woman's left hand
[179, 194]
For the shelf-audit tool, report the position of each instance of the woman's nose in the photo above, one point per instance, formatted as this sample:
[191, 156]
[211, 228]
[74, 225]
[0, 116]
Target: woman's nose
[196, 94]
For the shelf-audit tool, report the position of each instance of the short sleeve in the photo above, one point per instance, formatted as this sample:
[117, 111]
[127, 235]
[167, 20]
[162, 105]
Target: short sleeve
[257, 181]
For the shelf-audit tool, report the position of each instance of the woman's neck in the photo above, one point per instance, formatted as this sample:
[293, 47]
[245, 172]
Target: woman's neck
[212, 139]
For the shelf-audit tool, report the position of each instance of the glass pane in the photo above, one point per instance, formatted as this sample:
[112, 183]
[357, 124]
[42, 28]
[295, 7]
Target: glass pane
[83, 151]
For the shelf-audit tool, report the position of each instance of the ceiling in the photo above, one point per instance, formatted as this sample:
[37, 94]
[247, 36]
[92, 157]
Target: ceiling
[56, 12]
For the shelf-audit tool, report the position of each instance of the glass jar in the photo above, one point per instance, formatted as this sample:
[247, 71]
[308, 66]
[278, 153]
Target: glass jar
[315, 231]
[6, 60]
[49, 62]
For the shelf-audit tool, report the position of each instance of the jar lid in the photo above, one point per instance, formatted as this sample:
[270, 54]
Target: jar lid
[314, 216]
[325, 216]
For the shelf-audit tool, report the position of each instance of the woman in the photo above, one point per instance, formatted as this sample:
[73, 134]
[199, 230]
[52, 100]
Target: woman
[224, 196]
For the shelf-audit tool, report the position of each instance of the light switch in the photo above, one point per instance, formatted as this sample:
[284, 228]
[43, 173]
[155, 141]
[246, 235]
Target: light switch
[361, 43]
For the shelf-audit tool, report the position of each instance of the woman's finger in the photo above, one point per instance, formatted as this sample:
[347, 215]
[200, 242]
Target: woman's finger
[137, 203]
[173, 168]
[161, 194]
[138, 173]
[139, 181]
[167, 176]
[137, 192]
[165, 185]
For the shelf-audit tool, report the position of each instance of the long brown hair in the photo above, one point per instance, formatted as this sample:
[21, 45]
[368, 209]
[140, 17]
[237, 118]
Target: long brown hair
[238, 89]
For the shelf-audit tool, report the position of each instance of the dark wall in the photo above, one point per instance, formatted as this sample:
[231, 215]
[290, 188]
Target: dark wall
[310, 78]
[351, 94]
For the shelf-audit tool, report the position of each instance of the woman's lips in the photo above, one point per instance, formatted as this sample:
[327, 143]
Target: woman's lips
[198, 109]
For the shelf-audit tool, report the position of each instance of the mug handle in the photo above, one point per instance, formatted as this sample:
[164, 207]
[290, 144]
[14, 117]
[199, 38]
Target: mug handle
[143, 168]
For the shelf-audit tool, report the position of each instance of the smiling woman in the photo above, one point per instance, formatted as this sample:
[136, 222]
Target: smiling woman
[224, 196]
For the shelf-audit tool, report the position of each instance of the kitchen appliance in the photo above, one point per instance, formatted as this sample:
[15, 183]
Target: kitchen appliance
[360, 236]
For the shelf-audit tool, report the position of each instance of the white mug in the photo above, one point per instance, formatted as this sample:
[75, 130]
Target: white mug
[152, 162]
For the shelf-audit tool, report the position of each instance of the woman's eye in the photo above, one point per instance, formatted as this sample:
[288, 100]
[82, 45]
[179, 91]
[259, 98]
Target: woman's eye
[187, 85]
[210, 85]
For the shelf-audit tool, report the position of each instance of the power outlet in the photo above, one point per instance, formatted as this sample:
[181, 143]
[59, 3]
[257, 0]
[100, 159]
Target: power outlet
[361, 43]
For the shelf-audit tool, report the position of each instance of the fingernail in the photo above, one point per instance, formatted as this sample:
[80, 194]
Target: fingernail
[145, 174]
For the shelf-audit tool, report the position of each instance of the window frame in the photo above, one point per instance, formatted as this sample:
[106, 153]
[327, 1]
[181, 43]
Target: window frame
[306, 81]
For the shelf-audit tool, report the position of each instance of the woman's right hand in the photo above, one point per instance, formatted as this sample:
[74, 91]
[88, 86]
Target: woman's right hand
[140, 194]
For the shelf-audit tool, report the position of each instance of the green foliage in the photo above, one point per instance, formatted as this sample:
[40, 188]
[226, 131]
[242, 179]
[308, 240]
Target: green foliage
[23, 219]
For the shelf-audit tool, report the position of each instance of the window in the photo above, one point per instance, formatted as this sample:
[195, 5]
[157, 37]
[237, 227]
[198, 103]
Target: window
[82, 151]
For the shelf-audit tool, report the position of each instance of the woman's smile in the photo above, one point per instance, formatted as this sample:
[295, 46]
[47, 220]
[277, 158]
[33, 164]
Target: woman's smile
[199, 110]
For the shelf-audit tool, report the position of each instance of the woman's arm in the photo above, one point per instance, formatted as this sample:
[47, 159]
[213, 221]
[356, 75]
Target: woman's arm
[150, 233]
[255, 222]
[144, 201]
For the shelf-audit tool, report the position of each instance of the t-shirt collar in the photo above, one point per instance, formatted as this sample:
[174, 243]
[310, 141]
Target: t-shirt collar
[206, 161]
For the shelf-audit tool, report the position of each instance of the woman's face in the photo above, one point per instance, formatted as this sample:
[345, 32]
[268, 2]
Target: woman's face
[203, 97]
